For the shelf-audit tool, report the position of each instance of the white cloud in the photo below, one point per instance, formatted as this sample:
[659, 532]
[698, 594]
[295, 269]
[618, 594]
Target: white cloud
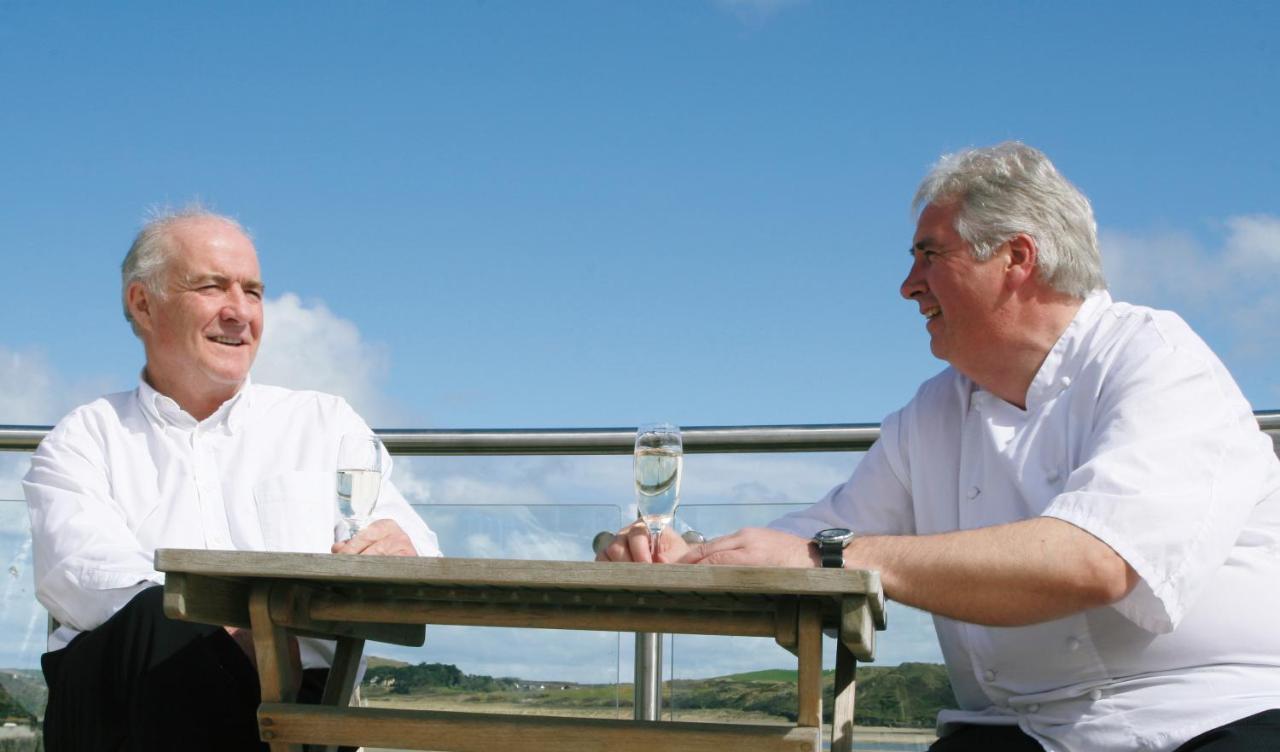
[307, 346]
[1253, 244]
[1229, 284]
[30, 392]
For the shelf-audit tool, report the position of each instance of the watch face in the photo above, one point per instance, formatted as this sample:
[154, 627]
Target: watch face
[833, 534]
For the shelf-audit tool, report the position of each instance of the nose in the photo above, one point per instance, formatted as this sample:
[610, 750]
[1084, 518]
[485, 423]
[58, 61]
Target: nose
[236, 305]
[914, 284]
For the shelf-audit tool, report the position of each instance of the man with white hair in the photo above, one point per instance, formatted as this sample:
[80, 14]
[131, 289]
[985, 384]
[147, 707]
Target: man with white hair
[195, 457]
[1082, 499]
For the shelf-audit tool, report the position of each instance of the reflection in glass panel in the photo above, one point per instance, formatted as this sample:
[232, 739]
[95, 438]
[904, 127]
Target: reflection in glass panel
[23, 621]
[559, 671]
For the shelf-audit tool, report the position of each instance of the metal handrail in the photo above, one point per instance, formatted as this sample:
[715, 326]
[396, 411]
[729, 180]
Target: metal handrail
[822, 437]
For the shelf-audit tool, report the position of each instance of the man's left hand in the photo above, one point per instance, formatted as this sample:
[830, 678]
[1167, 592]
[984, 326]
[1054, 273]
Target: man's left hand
[380, 538]
[755, 546]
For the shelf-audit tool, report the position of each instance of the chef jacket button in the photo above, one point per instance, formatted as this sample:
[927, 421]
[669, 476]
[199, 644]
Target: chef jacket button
[989, 675]
[1053, 477]
[1073, 644]
[1095, 695]
[1064, 382]
[1033, 708]
[973, 492]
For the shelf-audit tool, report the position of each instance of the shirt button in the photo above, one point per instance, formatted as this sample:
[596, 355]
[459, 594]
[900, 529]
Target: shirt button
[1095, 695]
[1033, 708]
[1053, 477]
[1064, 382]
[989, 675]
[973, 492]
[1073, 644]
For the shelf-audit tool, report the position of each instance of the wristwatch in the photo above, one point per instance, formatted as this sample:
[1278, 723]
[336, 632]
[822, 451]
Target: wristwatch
[831, 543]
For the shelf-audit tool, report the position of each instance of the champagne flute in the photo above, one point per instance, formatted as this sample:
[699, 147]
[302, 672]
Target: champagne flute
[659, 458]
[359, 479]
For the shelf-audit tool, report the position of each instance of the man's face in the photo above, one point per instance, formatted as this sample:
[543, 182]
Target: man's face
[202, 335]
[957, 295]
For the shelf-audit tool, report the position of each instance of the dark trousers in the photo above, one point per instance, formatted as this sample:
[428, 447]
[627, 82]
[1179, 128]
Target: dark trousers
[145, 682]
[1257, 733]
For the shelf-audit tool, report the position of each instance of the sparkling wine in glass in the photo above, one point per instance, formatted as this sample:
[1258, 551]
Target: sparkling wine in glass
[359, 479]
[659, 458]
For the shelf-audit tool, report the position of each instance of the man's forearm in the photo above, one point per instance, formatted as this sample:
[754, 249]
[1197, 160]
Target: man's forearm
[1007, 575]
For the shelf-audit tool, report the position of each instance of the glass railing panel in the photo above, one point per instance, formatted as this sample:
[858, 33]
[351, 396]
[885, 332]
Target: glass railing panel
[23, 621]
[584, 668]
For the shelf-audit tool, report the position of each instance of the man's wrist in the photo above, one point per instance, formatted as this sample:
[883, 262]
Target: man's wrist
[829, 545]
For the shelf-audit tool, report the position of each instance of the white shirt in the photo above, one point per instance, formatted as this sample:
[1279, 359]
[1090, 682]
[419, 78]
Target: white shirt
[132, 472]
[1135, 432]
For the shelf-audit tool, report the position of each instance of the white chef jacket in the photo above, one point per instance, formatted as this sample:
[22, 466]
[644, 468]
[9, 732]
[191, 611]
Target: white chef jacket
[132, 472]
[1135, 432]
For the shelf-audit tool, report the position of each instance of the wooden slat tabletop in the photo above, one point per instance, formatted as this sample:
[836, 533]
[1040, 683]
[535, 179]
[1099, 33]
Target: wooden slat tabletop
[514, 574]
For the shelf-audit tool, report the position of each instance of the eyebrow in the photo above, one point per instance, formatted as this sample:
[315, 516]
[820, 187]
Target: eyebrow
[923, 245]
[252, 285]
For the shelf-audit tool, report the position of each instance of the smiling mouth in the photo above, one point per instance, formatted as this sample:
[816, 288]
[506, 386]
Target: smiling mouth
[932, 313]
[230, 341]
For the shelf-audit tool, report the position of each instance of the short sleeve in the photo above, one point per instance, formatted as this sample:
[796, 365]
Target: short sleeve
[1168, 476]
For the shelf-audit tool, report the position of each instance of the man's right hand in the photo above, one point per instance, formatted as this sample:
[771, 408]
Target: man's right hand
[244, 640]
[632, 544]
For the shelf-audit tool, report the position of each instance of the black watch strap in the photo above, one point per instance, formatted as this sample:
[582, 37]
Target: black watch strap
[832, 554]
[831, 544]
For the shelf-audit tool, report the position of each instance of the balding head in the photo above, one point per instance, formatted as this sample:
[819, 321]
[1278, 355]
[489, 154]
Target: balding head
[154, 247]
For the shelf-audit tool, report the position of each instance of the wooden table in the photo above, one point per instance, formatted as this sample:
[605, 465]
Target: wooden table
[389, 599]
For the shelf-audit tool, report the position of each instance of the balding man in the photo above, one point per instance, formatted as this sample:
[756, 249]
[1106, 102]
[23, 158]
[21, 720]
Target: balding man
[195, 457]
[1082, 498]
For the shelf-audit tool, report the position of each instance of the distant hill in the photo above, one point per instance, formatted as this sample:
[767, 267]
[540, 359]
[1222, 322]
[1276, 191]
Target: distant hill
[909, 695]
[26, 688]
[11, 711]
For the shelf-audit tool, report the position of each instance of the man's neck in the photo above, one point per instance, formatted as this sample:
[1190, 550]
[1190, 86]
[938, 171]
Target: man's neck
[1010, 366]
[197, 405]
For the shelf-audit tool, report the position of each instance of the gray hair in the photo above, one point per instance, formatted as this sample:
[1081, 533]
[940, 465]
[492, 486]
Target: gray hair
[148, 258]
[1010, 189]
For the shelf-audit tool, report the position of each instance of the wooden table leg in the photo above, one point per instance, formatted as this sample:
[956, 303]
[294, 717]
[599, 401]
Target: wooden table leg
[842, 706]
[857, 639]
[271, 644]
[342, 675]
[809, 653]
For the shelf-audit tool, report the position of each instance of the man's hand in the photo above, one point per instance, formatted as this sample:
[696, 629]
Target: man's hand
[244, 641]
[755, 546]
[632, 544]
[380, 538]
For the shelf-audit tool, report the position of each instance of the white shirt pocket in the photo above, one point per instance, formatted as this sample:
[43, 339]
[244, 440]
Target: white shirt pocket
[297, 511]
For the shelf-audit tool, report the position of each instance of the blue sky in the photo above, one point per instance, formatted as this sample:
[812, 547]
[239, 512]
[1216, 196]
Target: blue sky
[478, 214]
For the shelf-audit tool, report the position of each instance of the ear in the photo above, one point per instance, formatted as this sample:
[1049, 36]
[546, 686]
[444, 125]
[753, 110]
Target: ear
[1021, 264]
[138, 299]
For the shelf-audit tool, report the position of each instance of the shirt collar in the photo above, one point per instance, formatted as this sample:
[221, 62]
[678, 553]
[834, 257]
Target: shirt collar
[1062, 364]
[164, 411]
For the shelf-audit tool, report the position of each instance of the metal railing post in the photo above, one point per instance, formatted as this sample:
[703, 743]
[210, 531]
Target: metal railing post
[648, 676]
